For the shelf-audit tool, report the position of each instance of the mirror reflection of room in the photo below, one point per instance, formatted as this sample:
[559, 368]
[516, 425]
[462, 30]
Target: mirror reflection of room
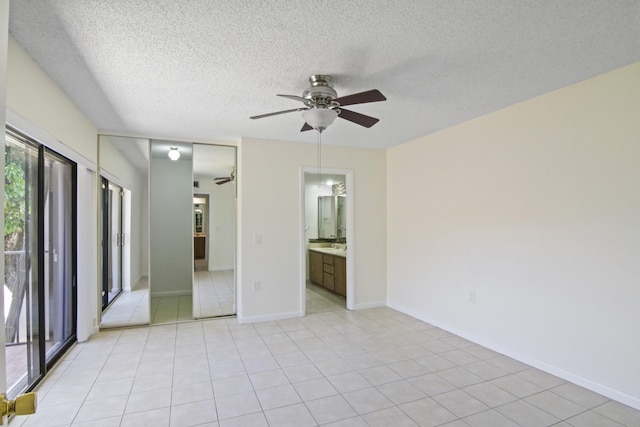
[171, 259]
[123, 288]
[214, 225]
[326, 232]
[200, 243]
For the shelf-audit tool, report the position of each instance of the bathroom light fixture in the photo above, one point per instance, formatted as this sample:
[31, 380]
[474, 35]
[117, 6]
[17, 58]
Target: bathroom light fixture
[174, 154]
[320, 118]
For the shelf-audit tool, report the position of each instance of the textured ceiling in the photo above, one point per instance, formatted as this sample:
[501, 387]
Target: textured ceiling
[197, 69]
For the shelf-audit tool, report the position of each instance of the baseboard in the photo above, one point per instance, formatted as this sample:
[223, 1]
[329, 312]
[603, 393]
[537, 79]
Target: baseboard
[141, 278]
[270, 317]
[170, 293]
[374, 304]
[221, 268]
[594, 386]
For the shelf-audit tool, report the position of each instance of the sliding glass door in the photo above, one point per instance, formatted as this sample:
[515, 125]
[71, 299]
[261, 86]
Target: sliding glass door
[58, 239]
[112, 241]
[39, 239]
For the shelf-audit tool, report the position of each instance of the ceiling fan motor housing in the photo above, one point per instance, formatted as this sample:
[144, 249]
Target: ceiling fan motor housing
[321, 92]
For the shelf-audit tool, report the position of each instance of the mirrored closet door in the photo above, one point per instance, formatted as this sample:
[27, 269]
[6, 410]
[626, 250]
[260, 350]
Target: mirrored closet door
[214, 232]
[124, 237]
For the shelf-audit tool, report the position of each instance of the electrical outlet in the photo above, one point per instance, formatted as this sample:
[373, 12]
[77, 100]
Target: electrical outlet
[472, 297]
[256, 286]
[257, 239]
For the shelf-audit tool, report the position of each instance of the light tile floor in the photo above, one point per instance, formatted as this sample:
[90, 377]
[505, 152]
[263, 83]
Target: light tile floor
[374, 367]
[213, 293]
[171, 309]
[319, 300]
[130, 308]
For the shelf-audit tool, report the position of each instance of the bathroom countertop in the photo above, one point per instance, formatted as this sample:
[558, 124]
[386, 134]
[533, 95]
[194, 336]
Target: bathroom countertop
[331, 251]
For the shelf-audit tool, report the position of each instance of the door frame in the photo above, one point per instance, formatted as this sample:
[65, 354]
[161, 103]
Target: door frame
[351, 243]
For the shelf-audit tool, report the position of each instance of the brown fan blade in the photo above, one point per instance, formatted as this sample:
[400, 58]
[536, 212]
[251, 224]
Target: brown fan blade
[306, 127]
[294, 97]
[278, 112]
[223, 181]
[357, 118]
[221, 177]
[372, 95]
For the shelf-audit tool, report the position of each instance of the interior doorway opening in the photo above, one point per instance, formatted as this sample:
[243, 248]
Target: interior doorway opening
[327, 240]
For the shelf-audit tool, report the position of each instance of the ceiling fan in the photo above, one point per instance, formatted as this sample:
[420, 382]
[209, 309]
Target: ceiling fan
[322, 105]
[224, 179]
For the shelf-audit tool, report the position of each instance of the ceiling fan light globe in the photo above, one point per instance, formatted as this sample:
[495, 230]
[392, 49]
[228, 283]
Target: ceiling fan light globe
[320, 118]
[174, 154]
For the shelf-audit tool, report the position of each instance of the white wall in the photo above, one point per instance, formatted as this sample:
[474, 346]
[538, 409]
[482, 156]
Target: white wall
[536, 210]
[220, 223]
[269, 206]
[171, 206]
[88, 305]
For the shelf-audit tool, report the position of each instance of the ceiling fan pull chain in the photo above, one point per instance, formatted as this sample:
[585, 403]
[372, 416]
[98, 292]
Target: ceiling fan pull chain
[319, 173]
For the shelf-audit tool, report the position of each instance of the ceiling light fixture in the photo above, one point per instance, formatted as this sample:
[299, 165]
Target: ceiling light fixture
[320, 118]
[174, 154]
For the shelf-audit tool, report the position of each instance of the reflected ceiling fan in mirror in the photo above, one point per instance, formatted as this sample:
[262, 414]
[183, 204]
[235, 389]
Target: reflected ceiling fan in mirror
[224, 179]
[322, 105]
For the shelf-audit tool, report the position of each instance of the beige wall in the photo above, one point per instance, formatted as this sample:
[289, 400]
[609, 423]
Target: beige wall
[34, 96]
[270, 200]
[535, 210]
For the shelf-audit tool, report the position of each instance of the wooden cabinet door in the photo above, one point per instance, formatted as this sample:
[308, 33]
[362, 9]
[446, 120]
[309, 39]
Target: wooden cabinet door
[315, 267]
[199, 247]
[340, 275]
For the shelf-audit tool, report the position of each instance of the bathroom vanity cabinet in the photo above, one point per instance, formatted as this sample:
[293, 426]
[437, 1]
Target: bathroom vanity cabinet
[199, 246]
[328, 270]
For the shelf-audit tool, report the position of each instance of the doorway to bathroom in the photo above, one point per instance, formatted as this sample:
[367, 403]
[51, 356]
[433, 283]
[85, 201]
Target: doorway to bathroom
[327, 240]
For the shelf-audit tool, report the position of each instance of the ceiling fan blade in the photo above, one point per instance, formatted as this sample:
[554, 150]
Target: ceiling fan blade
[221, 177]
[357, 118]
[372, 95]
[305, 127]
[294, 97]
[278, 112]
[223, 181]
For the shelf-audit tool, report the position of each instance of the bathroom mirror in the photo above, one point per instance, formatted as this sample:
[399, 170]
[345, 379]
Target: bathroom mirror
[198, 215]
[123, 286]
[332, 217]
